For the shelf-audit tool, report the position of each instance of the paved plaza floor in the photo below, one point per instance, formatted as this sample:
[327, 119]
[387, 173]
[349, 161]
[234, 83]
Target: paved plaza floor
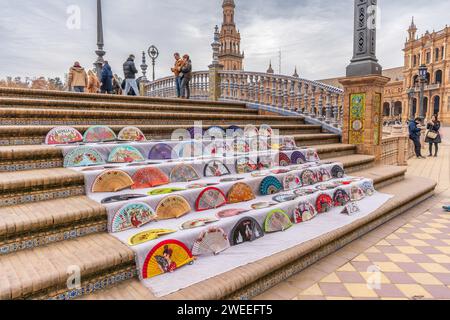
[406, 258]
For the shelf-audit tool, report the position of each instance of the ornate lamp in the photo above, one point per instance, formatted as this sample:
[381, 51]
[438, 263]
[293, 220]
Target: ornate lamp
[153, 52]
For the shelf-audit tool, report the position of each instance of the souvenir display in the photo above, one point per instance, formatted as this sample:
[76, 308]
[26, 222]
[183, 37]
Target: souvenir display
[237, 132]
[112, 181]
[160, 151]
[214, 132]
[259, 174]
[245, 165]
[231, 179]
[284, 197]
[250, 131]
[280, 171]
[308, 178]
[284, 160]
[305, 191]
[351, 209]
[323, 175]
[82, 157]
[183, 173]
[99, 134]
[337, 172]
[304, 211]
[214, 149]
[263, 144]
[262, 205]
[132, 215]
[340, 198]
[324, 203]
[210, 198]
[166, 257]
[121, 198]
[298, 157]
[322, 187]
[189, 149]
[368, 188]
[291, 182]
[149, 178]
[192, 224]
[131, 134]
[287, 144]
[201, 185]
[172, 207]
[246, 230]
[93, 169]
[230, 213]
[241, 146]
[149, 235]
[270, 185]
[63, 135]
[125, 154]
[311, 155]
[216, 168]
[212, 241]
[265, 130]
[277, 220]
[195, 132]
[158, 192]
[357, 193]
[253, 145]
[240, 192]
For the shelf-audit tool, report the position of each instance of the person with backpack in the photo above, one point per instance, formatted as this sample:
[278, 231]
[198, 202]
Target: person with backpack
[130, 71]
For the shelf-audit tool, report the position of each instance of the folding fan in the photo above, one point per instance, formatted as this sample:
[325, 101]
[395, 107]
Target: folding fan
[308, 178]
[305, 191]
[172, 207]
[162, 191]
[161, 151]
[304, 211]
[270, 185]
[357, 193]
[236, 131]
[121, 198]
[82, 157]
[183, 173]
[148, 235]
[265, 130]
[132, 215]
[368, 188]
[231, 179]
[253, 145]
[245, 165]
[240, 192]
[283, 159]
[166, 257]
[337, 172]
[246, 230]
[323, 175]
[201, 185]
[131, 134]
[340, 198]
[241, 146]
[112, 181]
[277, 220]
[324, 203]
[311, 155]
[210, 198]
[288, 143]
[291, 182]
[99, 134]
[211, 241]
[286, 197]
[149, 178]
[215, 168]
[230, 213]
[265, 162]
[189, 149]
[63, 135]
[192, 224]
[125, 154]
[214, 149]
[215, 132]
[262, 205]
[250, 131]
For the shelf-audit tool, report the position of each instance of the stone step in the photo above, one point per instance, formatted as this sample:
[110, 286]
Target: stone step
[355, 162]
[315, 139]
[326, 151]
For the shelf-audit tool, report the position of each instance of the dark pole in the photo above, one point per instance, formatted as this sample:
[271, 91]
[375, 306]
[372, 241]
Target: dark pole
[98, 64]
[153, 65]
[153, 52]
[411, 92]
[422, 76]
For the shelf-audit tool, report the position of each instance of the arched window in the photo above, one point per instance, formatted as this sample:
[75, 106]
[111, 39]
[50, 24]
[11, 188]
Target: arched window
[398, 109]
[438, 76]
[414, 60]
[436, 105]
[386, 109]
[437, 52]
[428, 78]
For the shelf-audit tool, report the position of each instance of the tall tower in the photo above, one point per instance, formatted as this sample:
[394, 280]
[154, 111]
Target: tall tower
[412, 30]
[230, 55]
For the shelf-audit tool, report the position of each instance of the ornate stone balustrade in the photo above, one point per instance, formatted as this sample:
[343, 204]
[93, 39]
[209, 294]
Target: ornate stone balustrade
[166, 87]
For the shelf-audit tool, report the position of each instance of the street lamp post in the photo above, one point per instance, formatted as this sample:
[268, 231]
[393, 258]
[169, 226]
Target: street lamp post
[423, 77]
[144, 67]
[98, 64]
[153, 52]
[411, 93]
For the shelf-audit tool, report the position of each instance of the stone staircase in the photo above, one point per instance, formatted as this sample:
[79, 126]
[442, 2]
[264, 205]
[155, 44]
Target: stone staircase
[48, 225]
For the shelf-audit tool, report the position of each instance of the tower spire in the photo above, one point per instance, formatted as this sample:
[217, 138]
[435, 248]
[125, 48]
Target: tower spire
[412, 30]
[230, 55]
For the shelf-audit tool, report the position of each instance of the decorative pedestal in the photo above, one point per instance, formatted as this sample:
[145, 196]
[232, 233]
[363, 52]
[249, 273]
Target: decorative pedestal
[214, 82]
[362, 113]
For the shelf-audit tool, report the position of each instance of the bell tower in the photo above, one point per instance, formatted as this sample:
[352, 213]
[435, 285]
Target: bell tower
[230, 55]
[412, 30]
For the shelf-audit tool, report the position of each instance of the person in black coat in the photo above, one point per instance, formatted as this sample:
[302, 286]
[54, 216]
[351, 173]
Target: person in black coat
[433, 127]
[414, 135]
[107, 79]
[130, 71]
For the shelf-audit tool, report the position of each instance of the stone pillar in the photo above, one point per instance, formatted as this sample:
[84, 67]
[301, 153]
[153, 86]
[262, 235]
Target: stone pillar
[214, 82]
[362, 113]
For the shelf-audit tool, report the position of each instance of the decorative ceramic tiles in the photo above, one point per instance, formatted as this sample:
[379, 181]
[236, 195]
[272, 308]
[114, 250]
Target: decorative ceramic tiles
[357, 114]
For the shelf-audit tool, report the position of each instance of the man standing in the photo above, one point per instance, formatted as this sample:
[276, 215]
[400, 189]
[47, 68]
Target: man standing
[186, 76]
[414, 135]
[107, 79]
[176, 71]
[130, 71]
[78, 79]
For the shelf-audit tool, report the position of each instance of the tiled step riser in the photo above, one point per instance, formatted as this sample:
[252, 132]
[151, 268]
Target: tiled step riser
[31, 164]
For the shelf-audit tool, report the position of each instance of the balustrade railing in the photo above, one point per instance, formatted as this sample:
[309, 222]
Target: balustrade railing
[166, 87]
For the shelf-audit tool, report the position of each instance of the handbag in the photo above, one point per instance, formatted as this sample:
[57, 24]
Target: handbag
[431, 135]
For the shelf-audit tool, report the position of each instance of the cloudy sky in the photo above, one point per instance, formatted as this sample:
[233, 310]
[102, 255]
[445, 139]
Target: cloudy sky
[315, 35]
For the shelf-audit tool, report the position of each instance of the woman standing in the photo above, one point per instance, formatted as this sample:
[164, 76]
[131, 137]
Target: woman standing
[433, 135]
[93, 82]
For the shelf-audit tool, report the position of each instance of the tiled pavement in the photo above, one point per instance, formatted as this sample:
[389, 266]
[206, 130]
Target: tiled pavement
[407, 258]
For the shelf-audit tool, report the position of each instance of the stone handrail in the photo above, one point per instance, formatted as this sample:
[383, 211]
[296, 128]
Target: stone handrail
[166, 88]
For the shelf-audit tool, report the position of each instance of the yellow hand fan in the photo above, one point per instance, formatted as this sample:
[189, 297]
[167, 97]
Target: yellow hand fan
[112, 181]
[240, 192]
[172, 207]
[148, 235]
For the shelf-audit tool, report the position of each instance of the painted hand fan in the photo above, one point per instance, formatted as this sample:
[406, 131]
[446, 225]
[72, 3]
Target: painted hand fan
[166, 257]
[280, 171]
[246, 230]
[210, 198]
[125, 154]
[263, 144]
[215, 168]
[131, 134]
[149, 235]
[270, 185]
[121, 198]
[250, 131]
[253, 145]
[265, 162]
[277, 220]
[230, 213]
[172, 207]
[284, 197]
[99, 134]
[311, 155]
[323, 175]
[291, 182]
[259, 174]
[340, 198]
[211, 241]
[149, 178]
[324, 203]
[237, 132]
[304, 211]
[192, 224]
[189, 149]
[201, 185]
[245, 165]
[240, 192]
[161, 151]
[112, 181]
[63, 135]
[262, 205]
[357, 193]
[308, 178]
[283, 159]
[214, 149]
[241, 146]
[215, 132]
[132, 215]
[82, 157]
[183, 173]
[288, 143]
[231, 179]
[337, 172]
[368, 188]
[158, 192]
[265, 130]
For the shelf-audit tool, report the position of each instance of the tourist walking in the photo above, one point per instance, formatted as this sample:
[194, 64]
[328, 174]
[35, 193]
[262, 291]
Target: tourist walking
[433, 136]
[93, 82]
[130, 71]
[414, 135]
[107, 79]
[78, 79]
[117, 88]
[179, 62]
[186, 76]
